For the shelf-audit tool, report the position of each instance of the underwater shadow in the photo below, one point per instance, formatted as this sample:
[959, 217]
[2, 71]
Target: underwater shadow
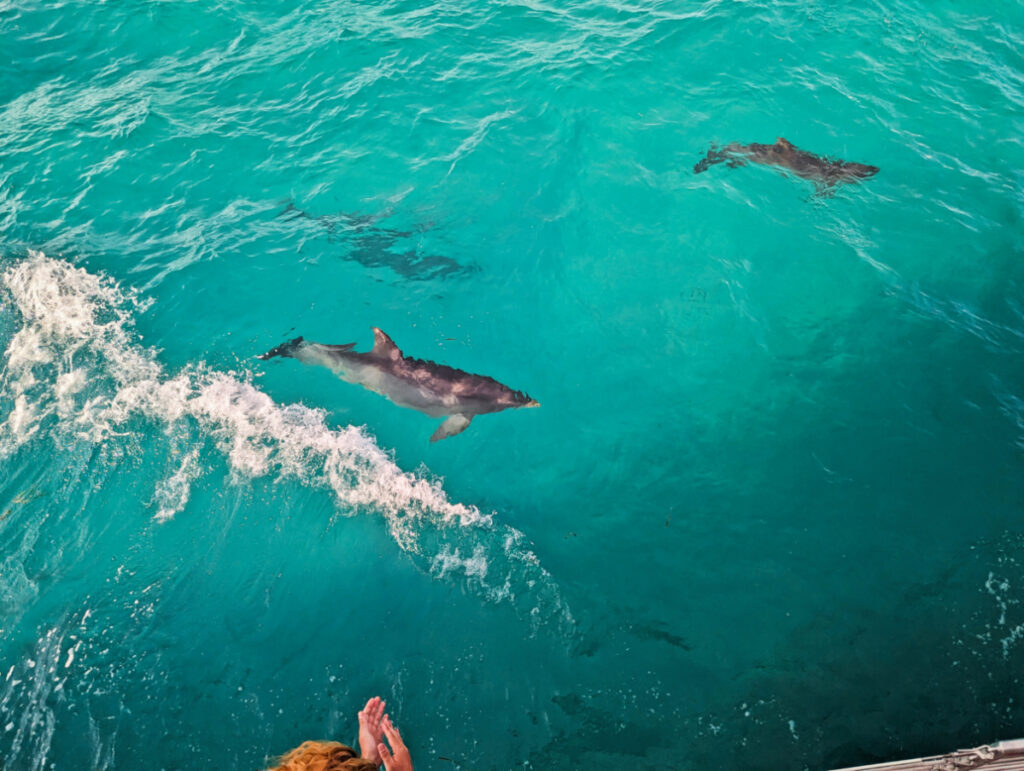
[373, 246]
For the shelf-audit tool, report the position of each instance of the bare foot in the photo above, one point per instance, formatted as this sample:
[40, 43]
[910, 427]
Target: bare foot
[370, 729]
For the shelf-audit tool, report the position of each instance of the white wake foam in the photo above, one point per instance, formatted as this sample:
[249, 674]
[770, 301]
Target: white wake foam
[74, 371]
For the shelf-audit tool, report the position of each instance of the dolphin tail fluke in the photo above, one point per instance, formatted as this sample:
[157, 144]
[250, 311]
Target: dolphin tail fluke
[714, 156]
[456, 424]
[285, 349]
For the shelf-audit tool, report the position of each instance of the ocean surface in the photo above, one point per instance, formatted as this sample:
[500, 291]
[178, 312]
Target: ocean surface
[771, 512]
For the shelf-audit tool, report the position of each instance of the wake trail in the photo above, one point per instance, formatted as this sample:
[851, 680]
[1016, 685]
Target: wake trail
[75, 372]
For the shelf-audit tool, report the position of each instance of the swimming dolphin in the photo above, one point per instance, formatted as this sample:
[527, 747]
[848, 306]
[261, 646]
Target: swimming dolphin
[825, 172]
[431, 388]
[374, 246]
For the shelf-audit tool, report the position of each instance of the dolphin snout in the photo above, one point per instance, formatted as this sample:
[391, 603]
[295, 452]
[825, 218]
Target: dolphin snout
[862, 170]
[532, 403]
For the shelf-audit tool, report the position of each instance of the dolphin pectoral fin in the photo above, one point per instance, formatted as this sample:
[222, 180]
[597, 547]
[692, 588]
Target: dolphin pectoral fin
[338, 348]
[456, 424]
[825, 188]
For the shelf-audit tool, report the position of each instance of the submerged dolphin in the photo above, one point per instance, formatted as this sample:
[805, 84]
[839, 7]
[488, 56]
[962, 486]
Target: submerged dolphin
[825, 172]
[431, 388]
[373, 246]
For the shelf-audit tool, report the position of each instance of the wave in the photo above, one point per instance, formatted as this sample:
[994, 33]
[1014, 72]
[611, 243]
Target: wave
[75, 372]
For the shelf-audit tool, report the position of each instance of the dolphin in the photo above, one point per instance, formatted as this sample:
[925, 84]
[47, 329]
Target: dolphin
[824, 172]
[373, 246]
[431, 388]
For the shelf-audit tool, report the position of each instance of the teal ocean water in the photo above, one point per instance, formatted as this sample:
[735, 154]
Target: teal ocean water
[771, 512]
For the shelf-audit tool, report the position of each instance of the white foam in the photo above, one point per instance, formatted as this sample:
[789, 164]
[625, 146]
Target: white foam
[999, 589]
[173, 493]
[32, 707]
[74, 363]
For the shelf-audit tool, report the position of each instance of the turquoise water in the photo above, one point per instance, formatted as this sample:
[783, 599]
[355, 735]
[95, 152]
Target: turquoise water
[770, 513]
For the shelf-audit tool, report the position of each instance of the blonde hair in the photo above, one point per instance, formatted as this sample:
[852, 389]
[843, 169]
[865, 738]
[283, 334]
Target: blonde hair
[323, 756]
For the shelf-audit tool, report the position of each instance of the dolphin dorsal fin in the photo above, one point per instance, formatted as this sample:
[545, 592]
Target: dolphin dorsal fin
[384, 346]
[783, 142]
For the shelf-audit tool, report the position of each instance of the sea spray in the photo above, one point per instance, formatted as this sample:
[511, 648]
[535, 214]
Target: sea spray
[76, 372]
